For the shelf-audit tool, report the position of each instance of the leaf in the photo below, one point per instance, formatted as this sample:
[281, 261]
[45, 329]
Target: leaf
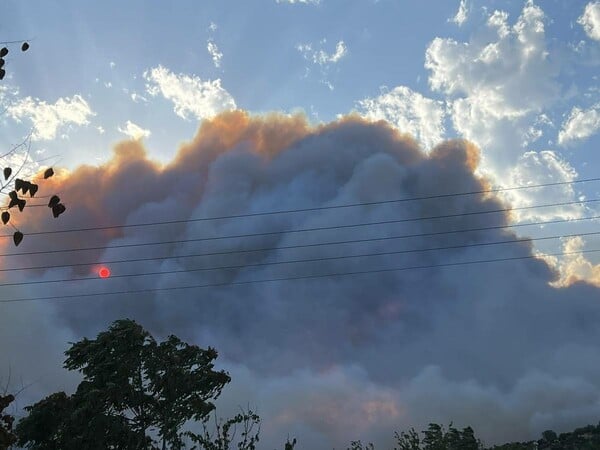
[7, 172]
[5, 217]
[2, 62]
[33, 188]
[48, 173]
[2, 73]
[3, 52]
[14, 199]
[57, 210]
[54, 200]
[21, 204]
[24, 47]
[19, 184]
[17, 238]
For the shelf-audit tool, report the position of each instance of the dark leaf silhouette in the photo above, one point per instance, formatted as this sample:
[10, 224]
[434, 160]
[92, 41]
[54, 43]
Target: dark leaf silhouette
[17, 237]
[54, 200]
[20, 185]
[48, 173]
[33, 188]
[24, 47]
[14, 199]
[3, 52]
[7, 172]
[2, 62]
[5, 217]
[2, 73]
[57, 210]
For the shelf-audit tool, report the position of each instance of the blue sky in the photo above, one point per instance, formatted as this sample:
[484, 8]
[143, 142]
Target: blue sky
[281, 56]
[261, 68]
[103, 81]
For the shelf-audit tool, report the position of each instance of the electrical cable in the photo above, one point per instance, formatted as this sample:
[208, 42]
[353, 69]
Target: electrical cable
[405, 236]
[414, 219]
[292, 278]
[296, 261]
[317, 208]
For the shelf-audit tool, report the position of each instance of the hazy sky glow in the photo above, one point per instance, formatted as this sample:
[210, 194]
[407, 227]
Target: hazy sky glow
[201, 109]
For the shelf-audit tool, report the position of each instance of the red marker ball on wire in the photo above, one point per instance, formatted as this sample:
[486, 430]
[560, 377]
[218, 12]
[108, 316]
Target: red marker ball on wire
[104, 272]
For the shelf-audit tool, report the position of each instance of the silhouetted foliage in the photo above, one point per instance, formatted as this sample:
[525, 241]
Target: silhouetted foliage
[7, 437]
[358, 445]
[224, 436]
[132, 387]
[24, 186]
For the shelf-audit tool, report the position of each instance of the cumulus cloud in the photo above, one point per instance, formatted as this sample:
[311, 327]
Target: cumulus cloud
[461, 15]
[491, 345]
[575, 266]
[320, 56]
[590, 20]
[214, 53]
[191, 96]
[49, 118]
[543, 167]
[137, 98]
[408, 111]
[501, 86]
[321, 59]
[581, 124]
[133, 130]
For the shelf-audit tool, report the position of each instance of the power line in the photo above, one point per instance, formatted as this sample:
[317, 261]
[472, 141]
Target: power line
[301, 277]
[332, 227]
[306, 260]
[405, 236]
[317, 208]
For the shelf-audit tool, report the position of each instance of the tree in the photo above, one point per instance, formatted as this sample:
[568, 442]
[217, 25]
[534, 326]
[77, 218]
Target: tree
[133, 388]
[358, 445]
[434, 437]
[408, 440]
[11, 177]
[7, 437]
[225, 433]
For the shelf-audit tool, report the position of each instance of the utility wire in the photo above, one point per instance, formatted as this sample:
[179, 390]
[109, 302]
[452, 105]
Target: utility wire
[404, 236]
[291, 278]
[306, 260]
[332, 227]
[317, 208]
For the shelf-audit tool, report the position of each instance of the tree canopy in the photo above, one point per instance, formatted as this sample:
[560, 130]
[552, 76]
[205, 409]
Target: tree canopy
[135, 393]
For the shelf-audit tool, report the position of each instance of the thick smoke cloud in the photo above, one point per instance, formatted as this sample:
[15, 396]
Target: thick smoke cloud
[330, 359]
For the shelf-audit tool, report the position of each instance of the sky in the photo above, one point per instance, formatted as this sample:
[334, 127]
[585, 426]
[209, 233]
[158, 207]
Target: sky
[151, 113]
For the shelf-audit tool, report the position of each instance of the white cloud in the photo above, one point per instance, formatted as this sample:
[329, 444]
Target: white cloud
[214, 52]
[580, 125]
[134, 131]
[321, 57]
[191, 96]
[462, 13]
[408, 111]
[590, 20]
[574, 265]
[503, 72]
[539, 168]
[500, 86]
[138, 98]
[47, 119]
